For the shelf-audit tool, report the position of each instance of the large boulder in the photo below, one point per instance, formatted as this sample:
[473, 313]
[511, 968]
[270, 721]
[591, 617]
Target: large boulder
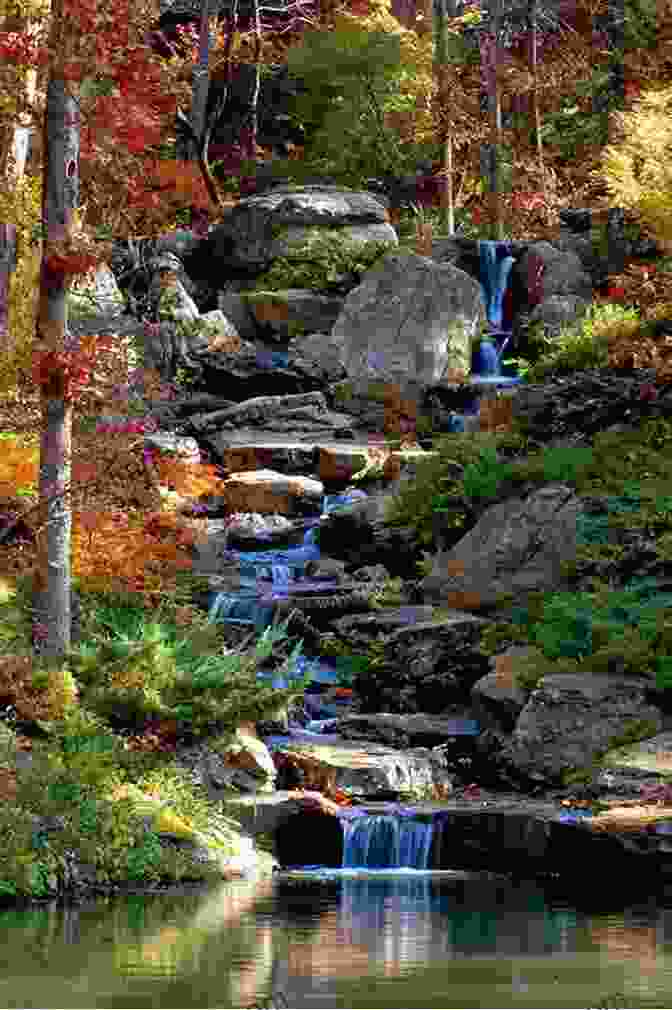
[249, 236]
[571, 720]
[318, 355]
[548, 272]
[358, 535]
[276, 314]
[410, 324]
[516, 547]
[562, 272]
[427, 667]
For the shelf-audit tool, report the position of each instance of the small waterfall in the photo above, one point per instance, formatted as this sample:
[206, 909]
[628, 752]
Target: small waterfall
[280, 575]
[386, 841]
[496, 263]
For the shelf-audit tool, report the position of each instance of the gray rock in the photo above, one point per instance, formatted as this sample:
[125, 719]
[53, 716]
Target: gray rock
[516, 547]
[244, 237]
[496, 698]
[374, 769]
[409, 323]
[570, 720]
[277, 313]
[235, 307]
[326, 568]
[318, 355]
[558, 312]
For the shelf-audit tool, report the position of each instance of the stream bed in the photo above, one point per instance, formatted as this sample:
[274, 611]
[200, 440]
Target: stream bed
[340, 939]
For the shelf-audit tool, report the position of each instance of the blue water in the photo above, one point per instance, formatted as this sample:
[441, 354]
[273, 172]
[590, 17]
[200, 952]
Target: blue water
[495, 269]
[269, 575]
[496, 263]
[385, 841]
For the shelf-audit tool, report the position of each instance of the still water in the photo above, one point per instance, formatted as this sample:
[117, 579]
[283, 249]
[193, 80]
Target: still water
[380, 940]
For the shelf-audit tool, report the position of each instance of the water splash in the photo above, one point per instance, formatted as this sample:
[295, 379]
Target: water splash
[386, 841]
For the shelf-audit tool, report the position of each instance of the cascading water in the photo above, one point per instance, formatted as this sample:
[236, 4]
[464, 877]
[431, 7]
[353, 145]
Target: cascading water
[495, 265]
[269, 575]
[495, 262]
[385, 841]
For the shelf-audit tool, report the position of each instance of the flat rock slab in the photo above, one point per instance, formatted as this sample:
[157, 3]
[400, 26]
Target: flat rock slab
[653, 756]
[362, 441]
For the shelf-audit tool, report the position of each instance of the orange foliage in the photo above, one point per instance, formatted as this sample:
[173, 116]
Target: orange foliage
[18, 467]
[31, 702]
[144, 554]
[194, 479]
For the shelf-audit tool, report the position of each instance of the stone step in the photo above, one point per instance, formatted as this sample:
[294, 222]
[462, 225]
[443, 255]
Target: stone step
[331, 459]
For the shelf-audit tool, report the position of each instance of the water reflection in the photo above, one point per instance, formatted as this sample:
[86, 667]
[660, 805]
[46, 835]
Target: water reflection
[391, 941]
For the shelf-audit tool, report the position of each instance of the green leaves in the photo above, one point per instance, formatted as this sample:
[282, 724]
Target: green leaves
[144, 859]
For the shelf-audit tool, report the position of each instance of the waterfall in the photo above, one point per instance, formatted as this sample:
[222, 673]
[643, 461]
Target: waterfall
[386, 841]
[496, 264]
[280, 574]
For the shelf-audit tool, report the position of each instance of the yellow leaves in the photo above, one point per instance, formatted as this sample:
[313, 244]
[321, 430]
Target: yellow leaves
[636, 170]
[19, 466]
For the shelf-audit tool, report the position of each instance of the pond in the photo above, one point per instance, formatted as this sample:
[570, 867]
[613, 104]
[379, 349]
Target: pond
[382, 939]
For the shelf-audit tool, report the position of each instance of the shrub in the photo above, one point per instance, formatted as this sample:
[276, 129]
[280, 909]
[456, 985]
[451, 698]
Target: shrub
[626, 631]
[637, 168]
[134, 670]
[586, 345]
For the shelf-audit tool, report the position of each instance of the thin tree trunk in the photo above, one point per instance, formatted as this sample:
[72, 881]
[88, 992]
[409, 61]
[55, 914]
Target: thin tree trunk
[495, 121]
[52, 586]
[7, 267]
[532, 21]
[254, 102]
[447, 212]
[191, 146]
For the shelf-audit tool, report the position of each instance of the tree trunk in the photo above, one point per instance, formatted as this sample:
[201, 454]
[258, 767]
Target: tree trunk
[254, 102]
[191, 147]
[51, 586]
[447, 8]
[493, 149]
[532, 25]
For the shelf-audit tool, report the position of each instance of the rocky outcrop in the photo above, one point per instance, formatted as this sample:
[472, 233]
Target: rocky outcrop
[276, 314]
[244, 240]
[427, 667]
[410, 323]
[267, 491]
[373, 771]
[517, 547]
[570, 720]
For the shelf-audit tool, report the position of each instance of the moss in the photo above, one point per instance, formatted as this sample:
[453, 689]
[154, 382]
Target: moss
[578, 776]
[343, 392]
[320, 260]
[632, 732]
